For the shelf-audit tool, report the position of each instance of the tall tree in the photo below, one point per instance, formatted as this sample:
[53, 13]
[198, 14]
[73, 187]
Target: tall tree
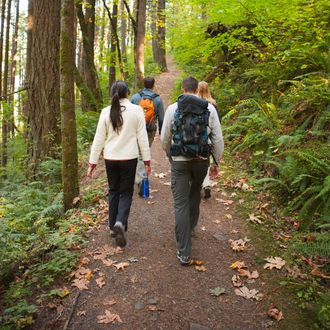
[139, 42]
[89, 73]
[68, 119]
[123, 31]
[113, 47]
[5, 112]
[158, 33]
[43, 104]
[13, 65]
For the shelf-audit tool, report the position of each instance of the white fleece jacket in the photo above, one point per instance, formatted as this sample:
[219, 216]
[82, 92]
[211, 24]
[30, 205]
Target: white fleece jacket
[126, 144]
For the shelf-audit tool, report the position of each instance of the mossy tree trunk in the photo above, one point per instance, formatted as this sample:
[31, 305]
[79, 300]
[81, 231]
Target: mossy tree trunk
[68, 118]
[87, 26]
[113, 47]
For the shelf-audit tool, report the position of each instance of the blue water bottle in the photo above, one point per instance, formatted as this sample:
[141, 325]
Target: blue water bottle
[145, 186]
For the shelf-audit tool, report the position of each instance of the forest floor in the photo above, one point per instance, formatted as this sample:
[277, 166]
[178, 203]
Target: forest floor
[145, 287]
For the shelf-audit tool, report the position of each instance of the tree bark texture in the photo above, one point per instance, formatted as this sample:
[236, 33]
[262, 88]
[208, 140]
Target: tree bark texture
[139, 42]
[13, 66]
[87, 26]
[158, 34]
[123, 31]
[68, 120]
[43, 80]
[113, 47]
[5, 109]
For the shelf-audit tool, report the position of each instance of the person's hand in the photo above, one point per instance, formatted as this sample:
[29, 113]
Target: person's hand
[214, 172]
[148, 169]
[90, 170]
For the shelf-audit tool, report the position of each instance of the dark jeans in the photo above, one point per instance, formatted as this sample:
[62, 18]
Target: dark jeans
[187, 179]
[121, 176]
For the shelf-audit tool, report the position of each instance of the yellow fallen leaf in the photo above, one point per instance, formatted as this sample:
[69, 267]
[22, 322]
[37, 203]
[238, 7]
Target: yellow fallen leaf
[229, 216]
[237, 265]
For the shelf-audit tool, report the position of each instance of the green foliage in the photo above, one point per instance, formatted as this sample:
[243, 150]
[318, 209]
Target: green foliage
[319, 247]
[20, 315]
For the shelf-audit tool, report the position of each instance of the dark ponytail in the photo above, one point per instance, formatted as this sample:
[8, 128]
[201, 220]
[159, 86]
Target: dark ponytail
[119, 90]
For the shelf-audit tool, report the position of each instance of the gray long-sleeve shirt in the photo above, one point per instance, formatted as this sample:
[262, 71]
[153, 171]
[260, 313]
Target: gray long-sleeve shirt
[214, 131]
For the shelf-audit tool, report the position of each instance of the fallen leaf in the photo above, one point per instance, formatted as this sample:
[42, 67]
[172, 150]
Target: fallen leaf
[167, 183]
[76, 201]
[81, 283]
[81, 313]
[153, 191]
[121, 265]
[238, 245]
[196, 262]
[234, 231]
[236, 280]
[274, 313]
[246, 273]
[108, 302]
[255, 219]
[274, 262]
[226, 202]
[108, 317]
[151, 202]
[217, 291]
[249, 294]
[241, 201]
[100, 282]
[217, 221]
[237, 265]
[316, 272]
[229, 216]
[201, 268]
[203, 228]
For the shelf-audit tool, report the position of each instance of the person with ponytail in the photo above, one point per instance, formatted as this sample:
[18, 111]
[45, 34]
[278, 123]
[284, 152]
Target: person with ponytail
[204, 93]
[120, 133]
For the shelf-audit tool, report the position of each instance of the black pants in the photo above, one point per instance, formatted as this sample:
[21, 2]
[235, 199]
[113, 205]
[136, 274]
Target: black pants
[121, 176]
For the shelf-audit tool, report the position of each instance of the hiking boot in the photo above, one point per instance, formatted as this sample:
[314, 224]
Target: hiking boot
[184, 261]
[120, 236]
[207, 192]
[112, 233]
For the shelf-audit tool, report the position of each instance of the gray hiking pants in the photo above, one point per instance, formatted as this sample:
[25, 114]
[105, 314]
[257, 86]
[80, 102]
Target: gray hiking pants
[187, 179]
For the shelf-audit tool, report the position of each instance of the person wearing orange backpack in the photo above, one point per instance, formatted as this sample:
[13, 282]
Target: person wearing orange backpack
[153, 108]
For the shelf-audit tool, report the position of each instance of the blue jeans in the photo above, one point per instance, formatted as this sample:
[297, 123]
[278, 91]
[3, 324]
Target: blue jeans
[120, 176]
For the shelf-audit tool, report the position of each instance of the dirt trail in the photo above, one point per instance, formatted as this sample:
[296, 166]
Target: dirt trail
[155, 291]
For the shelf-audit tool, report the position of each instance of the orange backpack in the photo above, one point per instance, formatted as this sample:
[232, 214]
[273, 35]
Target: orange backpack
[148, 106]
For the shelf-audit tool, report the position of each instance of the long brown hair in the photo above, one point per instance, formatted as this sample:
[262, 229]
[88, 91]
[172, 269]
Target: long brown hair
[119, 90]
[204, 92]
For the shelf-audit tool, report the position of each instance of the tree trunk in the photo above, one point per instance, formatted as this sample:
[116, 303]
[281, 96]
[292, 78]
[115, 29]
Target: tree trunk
[5, 112]
[87, 25]
[158, 34]
[123, 31]
[139, 42]
[43, 104]
[13, 70]
[113, 47]
[68, 120]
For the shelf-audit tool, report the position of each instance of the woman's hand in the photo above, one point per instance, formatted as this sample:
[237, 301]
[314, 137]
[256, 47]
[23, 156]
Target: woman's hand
[90, 170]
[148, 169]
[214, 172]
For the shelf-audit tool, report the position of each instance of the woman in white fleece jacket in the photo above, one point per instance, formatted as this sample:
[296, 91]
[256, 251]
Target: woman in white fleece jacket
[120, 133]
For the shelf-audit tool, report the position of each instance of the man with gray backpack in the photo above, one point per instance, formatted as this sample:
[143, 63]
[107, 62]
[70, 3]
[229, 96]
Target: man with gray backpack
[191, 133]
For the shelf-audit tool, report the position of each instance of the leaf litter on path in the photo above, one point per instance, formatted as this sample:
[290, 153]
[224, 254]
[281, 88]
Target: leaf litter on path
[121, 265]
[249, 294]
[255, 219]
[108, 317]
[239, 245]
[236, 280]
[238, 265]
[248, 274]
[274, 262]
